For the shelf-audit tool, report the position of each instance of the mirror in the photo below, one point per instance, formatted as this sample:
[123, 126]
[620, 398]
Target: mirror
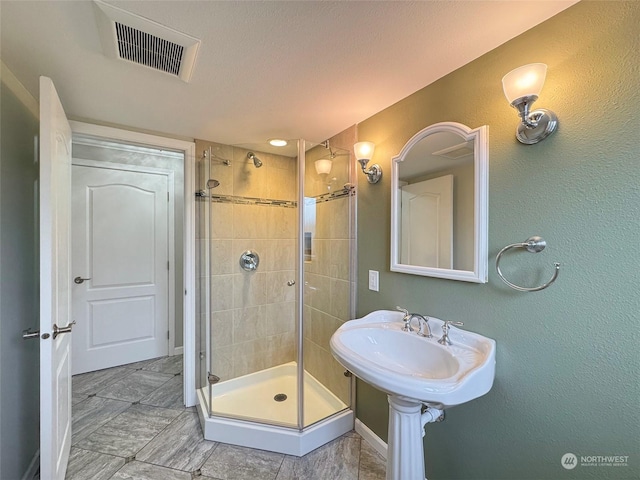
[439, 191]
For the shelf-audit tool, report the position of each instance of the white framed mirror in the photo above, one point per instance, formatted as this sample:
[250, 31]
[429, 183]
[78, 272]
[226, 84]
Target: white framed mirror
[439, 203]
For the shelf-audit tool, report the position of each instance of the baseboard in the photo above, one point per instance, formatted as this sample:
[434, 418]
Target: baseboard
[178, 350]
[371, 438]
[33, 467]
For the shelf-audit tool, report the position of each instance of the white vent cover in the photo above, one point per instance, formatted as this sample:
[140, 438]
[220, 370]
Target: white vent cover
[136, 39]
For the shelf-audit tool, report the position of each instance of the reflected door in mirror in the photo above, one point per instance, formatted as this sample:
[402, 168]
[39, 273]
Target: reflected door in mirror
[427, 223]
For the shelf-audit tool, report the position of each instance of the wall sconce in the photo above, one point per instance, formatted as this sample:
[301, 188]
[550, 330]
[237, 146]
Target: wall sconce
[364, 152]
[323, 166]
[522, 87]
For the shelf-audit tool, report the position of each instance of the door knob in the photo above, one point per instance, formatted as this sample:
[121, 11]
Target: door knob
[80, 280]
[60, 330]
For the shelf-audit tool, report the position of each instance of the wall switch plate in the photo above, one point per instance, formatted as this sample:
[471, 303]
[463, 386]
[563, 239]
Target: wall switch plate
[374, 280]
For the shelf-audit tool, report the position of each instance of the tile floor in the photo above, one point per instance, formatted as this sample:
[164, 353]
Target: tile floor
[129, 423]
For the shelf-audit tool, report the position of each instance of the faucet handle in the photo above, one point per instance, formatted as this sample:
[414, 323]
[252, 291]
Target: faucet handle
[444, 340]
[448, 323]
[406, 319]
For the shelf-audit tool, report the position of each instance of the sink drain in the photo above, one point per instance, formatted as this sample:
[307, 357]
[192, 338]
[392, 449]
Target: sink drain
[280, 397]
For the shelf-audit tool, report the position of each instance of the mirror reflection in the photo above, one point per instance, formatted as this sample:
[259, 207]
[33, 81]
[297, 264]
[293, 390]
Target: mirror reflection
[436, 203]
[439, 204]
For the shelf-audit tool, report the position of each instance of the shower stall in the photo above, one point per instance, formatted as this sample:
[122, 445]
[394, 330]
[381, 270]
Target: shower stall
[275, 279]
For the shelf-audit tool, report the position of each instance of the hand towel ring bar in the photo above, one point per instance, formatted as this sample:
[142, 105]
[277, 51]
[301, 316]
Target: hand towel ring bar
[533, 244]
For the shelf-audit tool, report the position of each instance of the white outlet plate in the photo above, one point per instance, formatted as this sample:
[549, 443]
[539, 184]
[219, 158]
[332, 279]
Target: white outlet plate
[374, 280]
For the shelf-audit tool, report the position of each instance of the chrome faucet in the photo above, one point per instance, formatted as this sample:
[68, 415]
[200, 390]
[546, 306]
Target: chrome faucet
[444, 340]
[423, 323]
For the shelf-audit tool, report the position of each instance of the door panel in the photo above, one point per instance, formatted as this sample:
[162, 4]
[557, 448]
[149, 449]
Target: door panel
[55, 281]
[120, 244]
[427, 223]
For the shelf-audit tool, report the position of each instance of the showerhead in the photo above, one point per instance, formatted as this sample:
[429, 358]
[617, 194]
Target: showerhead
[256, 161]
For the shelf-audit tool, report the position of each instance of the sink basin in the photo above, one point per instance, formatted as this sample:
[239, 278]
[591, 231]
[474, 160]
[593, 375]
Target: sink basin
[405, 365]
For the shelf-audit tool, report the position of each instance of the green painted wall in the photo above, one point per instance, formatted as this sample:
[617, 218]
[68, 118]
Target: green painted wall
[568, 363]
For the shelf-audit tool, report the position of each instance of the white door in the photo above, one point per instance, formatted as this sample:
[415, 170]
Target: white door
[427, 223]
[55, 281]
[120, 267]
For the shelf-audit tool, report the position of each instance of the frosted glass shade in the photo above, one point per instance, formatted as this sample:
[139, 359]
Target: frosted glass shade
[323, 166]
[525, 81]
[364, 150]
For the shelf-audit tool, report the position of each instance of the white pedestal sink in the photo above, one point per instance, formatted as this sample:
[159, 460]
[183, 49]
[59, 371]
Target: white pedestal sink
[414, 371]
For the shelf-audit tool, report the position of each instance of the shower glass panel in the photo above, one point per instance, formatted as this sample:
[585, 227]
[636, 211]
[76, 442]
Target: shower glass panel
[259, 295]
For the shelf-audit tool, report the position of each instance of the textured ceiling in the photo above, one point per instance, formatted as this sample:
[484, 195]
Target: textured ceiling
[292, 69]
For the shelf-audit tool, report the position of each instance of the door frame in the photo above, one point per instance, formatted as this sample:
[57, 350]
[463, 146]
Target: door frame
[188, 148]
[171, 286]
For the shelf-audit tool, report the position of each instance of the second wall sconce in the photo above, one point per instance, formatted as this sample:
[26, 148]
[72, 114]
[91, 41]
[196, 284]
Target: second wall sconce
[364, 152]
[323, 166]
[522, 87]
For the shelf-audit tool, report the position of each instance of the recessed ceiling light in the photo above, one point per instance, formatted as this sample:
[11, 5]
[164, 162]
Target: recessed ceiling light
[278, 142]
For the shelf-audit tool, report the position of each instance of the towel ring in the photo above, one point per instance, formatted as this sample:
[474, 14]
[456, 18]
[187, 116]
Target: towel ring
[533, 244]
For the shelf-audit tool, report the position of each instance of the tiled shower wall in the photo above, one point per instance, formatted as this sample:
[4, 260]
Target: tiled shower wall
[329, 279]
[252, 313]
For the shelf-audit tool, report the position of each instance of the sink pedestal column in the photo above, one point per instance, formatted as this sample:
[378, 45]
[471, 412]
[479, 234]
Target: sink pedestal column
[405, 454]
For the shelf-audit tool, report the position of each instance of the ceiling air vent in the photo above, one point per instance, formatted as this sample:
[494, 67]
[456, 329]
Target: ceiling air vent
[139, 40]
[456, 151]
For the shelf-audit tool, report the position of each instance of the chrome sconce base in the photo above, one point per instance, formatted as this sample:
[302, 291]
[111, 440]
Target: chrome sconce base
[373, 173]
[539, 125]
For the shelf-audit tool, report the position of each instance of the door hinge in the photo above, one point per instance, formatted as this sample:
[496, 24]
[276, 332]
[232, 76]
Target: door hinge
[167, 334]
[168, 266]
[167, 196]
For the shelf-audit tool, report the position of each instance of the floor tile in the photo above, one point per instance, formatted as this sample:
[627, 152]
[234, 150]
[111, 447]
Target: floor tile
[78, 397]
[92, 413]
[130, 431]
[372, 465]
[229, 462]
[86, 465]
[145, 471]
[90, 383]
[168, 395]
[338, 460]
[135, 386]
[140, 365]
[180, 445]
[171, 365]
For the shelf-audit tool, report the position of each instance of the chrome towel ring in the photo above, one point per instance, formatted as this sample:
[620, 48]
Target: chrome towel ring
[533, 244]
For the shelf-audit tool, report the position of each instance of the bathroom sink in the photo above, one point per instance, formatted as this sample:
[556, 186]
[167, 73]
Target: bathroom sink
[405, 365]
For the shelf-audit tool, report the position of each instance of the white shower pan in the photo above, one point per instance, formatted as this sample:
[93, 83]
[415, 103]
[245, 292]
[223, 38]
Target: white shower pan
[241, 405]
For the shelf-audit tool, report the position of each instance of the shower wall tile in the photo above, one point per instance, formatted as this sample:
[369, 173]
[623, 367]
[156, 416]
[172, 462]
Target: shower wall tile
[281, 184]
[339, 298]
[221, 328]
[222, 362]
[249, 289]
[281, 222]
[221, 257]
[317, 289]
[339, 225]
[278, 290]
[222, 220]
[249, 220]
[339, 259]
[280, 254]
[280, 318]
[321, 364]
[249, 323]
[222, 290]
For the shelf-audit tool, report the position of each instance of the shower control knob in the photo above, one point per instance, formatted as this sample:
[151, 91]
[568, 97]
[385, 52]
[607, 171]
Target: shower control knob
[291, 283]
